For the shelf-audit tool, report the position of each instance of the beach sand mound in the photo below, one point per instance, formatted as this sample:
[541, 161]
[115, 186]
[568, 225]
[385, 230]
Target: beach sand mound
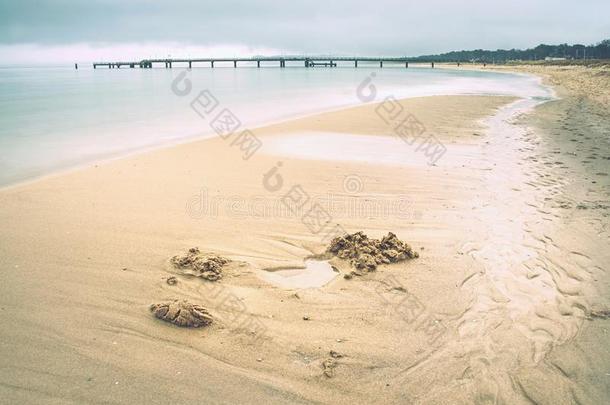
[198, 264]
[366, 254]
[182, 313]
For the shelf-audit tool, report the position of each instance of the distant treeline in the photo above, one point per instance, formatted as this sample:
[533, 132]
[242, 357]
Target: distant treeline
[542, 51]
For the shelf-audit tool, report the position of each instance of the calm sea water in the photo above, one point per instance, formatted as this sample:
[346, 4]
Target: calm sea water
[56, 118]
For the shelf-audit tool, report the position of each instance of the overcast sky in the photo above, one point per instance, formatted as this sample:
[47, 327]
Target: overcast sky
[70, 30]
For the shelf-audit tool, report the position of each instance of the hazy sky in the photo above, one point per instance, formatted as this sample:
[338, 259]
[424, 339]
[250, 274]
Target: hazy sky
[70, 30]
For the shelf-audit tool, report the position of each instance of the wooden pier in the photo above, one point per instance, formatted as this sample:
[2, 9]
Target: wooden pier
[306, 61]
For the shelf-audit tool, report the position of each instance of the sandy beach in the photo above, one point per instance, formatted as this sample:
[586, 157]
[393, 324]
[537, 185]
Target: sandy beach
[507, 302]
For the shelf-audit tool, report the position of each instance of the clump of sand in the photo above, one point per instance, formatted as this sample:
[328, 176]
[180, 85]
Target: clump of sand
[182, 313]
[328, 367]
[201, 265]
[365, 253]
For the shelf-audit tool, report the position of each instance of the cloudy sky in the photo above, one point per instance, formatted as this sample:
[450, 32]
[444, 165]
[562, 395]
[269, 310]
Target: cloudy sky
[71, 30]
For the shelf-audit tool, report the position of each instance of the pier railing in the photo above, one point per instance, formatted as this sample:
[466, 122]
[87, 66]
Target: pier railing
[307, 61]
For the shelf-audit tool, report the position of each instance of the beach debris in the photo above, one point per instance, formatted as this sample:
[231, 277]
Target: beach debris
[172, 280]
[328, 367]
[306, 318]
[351, 274]
[182, 313]
[365, 253]
[195, 263]
[336, 355]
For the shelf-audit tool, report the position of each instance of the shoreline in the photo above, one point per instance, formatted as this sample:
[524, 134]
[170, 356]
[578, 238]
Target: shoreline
[199, 138]
[60, 168]
[170, 144]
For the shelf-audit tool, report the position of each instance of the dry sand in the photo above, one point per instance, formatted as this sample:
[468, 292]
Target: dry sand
[493, 310]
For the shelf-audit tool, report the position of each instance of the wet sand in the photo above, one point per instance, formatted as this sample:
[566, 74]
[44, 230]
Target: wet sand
[575, 134]
[495, 310]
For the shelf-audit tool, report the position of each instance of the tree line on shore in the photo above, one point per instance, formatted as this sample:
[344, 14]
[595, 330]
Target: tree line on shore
[601, 50]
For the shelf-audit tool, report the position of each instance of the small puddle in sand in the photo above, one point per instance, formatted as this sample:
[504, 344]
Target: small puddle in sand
[316, 273]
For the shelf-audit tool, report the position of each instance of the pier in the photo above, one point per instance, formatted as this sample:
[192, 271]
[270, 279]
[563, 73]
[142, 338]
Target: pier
[306, 61]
